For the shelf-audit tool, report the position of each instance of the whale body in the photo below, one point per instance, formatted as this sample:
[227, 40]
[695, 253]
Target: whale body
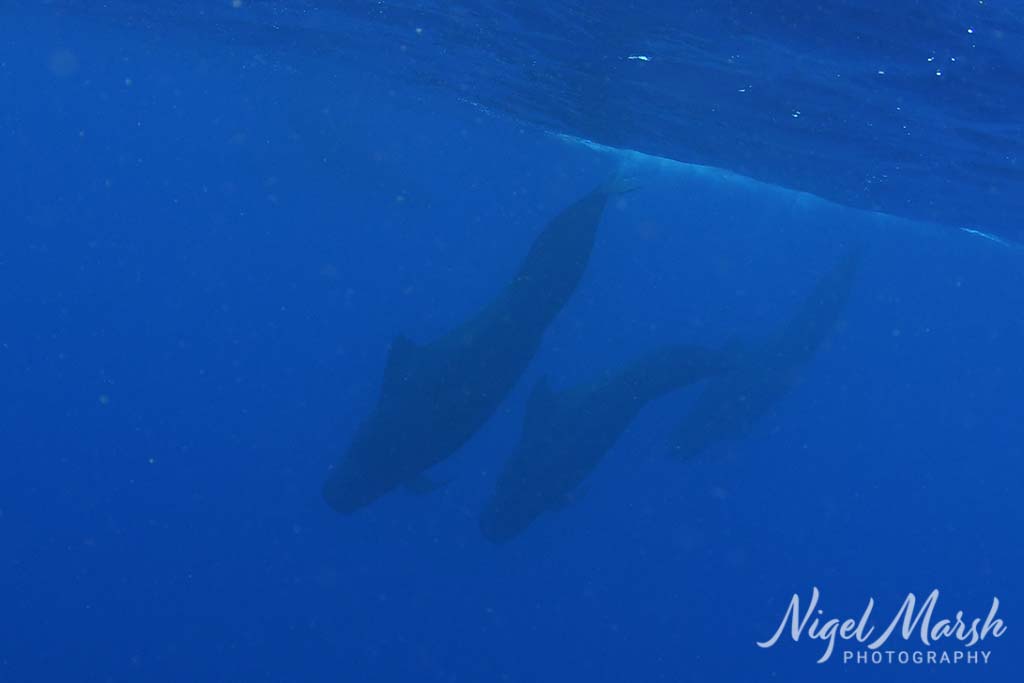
[434, 397]
[565, 435]
[731, 405]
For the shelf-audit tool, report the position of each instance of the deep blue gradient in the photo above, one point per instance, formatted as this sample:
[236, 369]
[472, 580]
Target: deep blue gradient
[216, 219]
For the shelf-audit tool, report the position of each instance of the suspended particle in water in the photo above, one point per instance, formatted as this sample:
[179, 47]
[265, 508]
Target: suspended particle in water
[63, 63]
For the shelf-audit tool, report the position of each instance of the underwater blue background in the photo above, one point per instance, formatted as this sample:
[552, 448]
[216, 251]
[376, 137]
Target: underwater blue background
[215, 220]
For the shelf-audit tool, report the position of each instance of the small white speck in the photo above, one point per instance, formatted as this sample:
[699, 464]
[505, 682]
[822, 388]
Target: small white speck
[939, 72]
[931, 59]
[642, 58]
[881, 72]
[796, 114]
[970, 30]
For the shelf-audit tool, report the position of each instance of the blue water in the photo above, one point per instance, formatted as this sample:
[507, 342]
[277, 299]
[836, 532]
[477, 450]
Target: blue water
[216, 219]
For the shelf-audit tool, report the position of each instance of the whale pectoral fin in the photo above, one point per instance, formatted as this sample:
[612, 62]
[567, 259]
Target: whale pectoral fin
[421, 485]
[401, 360]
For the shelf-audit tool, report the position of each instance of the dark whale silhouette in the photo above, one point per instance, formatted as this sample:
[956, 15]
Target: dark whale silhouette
[566, 434]
[731, 404]
[436, 396]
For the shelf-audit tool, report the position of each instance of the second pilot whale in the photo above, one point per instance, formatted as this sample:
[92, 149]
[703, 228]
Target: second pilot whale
[566, 434]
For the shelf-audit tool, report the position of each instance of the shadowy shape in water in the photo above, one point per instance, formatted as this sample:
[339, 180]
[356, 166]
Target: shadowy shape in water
[731, 404]
[566, 434]
[435, 397]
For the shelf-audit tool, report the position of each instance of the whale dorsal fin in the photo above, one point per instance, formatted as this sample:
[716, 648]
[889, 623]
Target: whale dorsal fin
[401, 360]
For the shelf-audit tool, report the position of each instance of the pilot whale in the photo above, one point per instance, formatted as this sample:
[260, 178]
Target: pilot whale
[730, 405]
[566, 434]
[435, 396]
